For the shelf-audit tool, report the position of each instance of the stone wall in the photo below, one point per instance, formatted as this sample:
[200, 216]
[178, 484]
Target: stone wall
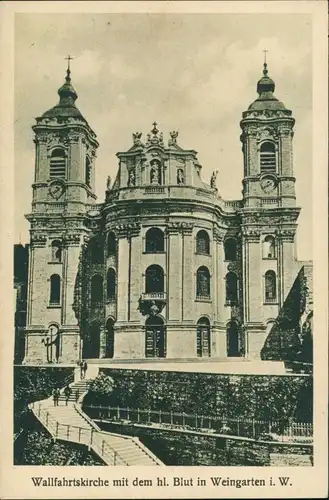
[182, 448]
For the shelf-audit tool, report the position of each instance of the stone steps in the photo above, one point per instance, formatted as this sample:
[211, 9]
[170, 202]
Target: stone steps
[128, 449]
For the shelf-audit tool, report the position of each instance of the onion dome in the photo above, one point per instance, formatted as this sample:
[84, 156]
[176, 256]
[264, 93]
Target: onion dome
[67, 96]
[265, 89]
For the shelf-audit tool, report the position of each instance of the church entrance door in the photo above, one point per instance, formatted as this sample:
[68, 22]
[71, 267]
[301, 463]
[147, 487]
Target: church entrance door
[203, 338]
[155, 338]
[233, 339]
[109, 338]
[92, 343]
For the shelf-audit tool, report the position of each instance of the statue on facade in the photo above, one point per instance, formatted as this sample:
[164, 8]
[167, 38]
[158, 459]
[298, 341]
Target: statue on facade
[51, 343]
[173, 138]
[213, 179]
[180, 176]
[137, 138]
[155, 178]
[131, 179]
[153, 309]
[108, 183]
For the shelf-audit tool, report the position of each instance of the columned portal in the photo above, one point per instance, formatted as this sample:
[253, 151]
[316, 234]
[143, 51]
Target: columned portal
[155, 337]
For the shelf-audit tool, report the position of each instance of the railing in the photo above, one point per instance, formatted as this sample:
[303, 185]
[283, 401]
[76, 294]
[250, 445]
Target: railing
[68, 380]
[203, 297]
[269, 201]
[154, 295]
[233, 204]
[270, 300]
[154, 190]
[248, 428]
[88, 437]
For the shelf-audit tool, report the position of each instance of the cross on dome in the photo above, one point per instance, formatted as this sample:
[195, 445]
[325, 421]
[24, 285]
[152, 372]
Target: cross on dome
[68, 71]
[265, 71]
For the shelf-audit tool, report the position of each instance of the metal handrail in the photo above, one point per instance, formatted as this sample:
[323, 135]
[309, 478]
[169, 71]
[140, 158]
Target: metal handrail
[53, 427]
[257, 427]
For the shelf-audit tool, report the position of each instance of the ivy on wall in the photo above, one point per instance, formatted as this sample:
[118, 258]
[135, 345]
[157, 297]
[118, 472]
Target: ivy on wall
[249, 396]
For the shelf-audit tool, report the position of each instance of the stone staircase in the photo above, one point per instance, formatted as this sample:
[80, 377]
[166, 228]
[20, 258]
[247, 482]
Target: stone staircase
[68, 422]
[78, 389]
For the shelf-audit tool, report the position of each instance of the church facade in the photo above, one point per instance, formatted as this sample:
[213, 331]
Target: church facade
[164, 267]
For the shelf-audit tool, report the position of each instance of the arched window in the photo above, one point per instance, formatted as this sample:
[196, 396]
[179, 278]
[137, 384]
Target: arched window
[203, 283]
[96, 293]
[269, 247]
[267, 158]
[88, 172]
[55, 289]
[96, 251]
[154, 279]
[56, 251]
[202, 242]
[154, 240]
[111, 285]
[230, 249]
[111, 244]
[270, 287]
[57, 164]
[231, 288]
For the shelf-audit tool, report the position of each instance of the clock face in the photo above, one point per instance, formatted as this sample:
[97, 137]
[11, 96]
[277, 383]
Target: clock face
[268, 184]
[56, 190]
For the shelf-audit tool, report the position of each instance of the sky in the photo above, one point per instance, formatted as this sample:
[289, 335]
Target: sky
[195, 73]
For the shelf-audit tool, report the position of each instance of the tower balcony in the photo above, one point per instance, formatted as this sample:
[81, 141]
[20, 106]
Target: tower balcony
[152, 303]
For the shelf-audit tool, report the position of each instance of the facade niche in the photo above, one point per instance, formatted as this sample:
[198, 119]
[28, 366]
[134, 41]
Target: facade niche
[155, 173]
[269, 247]
[154, 240]
[202, 242]
[55, 289]
[56, 251]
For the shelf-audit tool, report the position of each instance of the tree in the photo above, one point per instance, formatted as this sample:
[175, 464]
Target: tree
[101, 388]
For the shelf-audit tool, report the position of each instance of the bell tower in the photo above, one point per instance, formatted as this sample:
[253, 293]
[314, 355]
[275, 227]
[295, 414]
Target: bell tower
[269, 215]
[63, 192]
[267, 132]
